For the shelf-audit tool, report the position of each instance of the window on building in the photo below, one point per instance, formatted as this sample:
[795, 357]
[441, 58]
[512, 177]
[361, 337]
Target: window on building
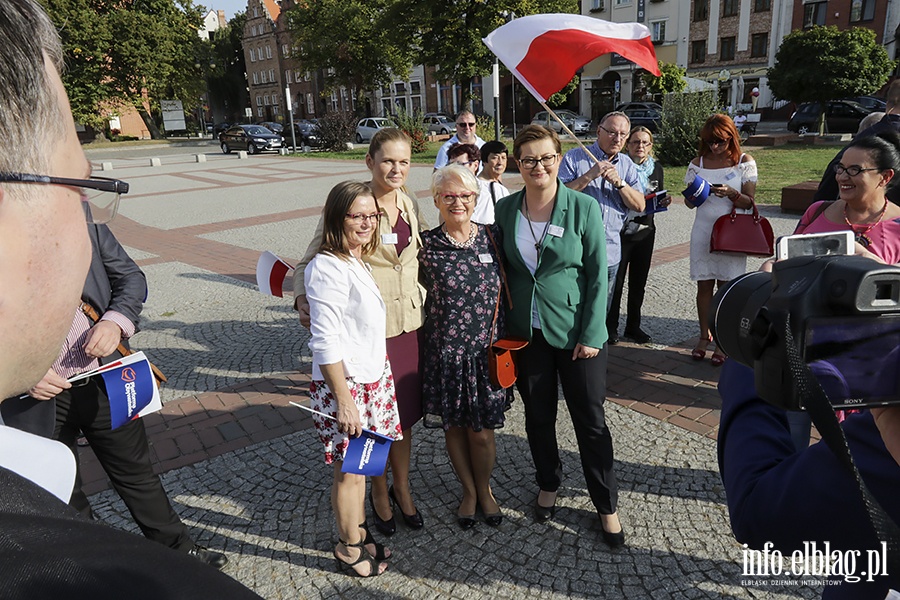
[259, 100]
[275, 98]
[385, 90]
[262, 77]
[701, 10]
[310, 105]
[285, 50]
[255, 78]
[297, 75]
[400, 88]
[272, 75]
[256, 11]
[814, 14]
[416, 103]
[415, 87]
[596, 5]
[658, 31]
[862, 10]
[762, 5]
[287, 76]
[698, 51]
[623, 2]
[306, 76]
[260, 112]
[759, 45]
[268, 51]
[727, 49]
[730, 7]
[253, 30]
[252, 55]
[267, 100]
[334, 101]
[275, 110]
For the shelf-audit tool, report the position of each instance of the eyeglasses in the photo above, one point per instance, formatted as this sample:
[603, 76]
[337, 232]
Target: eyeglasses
[548, 160]
[99, 193]
[716, 142]
[852, 170]
[450, 199]
[469, 125]
[641, 143]
[615, 134]
[358, 218]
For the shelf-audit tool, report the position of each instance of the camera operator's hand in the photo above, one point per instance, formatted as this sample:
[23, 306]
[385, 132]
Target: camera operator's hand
[887, 419]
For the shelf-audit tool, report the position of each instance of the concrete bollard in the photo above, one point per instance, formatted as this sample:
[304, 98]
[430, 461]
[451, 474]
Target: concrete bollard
[242, 154]
[283, 151]
[107, 166]
[200, 158]
[155, 162]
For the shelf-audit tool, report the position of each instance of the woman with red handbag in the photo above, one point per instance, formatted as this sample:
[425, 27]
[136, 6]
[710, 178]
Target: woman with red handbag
[732, 178]
[459, 265]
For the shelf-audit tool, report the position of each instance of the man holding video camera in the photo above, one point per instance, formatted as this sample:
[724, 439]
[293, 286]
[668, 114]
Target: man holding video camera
[845, 312]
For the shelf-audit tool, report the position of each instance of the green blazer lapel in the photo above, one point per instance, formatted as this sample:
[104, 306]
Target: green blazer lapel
[509, 223]
[557, 219]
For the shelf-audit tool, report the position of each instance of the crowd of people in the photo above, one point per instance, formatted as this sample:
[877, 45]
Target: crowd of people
[402, 319]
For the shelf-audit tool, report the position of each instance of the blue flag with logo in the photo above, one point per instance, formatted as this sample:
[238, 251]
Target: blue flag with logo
[130, 389]
[367, 454]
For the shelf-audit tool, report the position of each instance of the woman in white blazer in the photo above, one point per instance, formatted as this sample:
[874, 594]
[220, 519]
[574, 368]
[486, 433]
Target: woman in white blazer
[351, 375]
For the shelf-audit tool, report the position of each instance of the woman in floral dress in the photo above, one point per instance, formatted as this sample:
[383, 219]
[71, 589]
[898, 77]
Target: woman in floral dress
[460, 268]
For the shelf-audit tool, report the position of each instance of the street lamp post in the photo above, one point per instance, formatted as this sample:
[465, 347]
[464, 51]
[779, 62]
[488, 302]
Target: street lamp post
[200, 110]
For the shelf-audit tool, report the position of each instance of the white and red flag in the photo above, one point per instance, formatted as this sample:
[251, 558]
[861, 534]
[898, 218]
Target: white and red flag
[270, 274]
[545, 51]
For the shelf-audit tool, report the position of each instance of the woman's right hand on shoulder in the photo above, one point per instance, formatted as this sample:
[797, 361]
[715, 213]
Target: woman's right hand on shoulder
[348, 418]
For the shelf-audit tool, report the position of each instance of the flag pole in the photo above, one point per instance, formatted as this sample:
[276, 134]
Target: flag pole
[569, 131]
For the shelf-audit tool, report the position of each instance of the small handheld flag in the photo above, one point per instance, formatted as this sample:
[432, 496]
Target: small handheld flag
[130, 387]
[270, 274]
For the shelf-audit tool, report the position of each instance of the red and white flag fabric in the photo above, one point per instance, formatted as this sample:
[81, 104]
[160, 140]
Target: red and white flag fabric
[270, 274]
[545, 51]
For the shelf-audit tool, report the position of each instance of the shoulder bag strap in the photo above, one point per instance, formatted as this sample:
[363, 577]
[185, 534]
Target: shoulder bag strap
[493, 195]
[502, 270]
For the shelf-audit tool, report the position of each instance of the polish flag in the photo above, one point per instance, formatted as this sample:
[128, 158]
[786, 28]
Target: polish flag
[545, 51]
[270, 274]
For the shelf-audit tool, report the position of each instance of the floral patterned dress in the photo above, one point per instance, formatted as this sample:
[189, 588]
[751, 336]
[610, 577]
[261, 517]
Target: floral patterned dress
[462, 286]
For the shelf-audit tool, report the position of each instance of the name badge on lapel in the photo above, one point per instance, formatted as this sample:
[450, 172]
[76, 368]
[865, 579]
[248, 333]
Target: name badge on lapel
[555, 231]
[389, 238]
[485, 259]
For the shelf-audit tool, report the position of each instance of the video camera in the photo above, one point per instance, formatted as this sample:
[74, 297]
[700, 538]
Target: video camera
[844, 316]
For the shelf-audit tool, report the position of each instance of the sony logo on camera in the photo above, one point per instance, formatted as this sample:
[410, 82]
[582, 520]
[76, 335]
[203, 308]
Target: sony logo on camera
[843, 313]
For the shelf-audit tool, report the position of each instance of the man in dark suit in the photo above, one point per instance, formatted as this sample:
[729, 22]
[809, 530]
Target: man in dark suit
[115, 289]
[828, 187]
[47, 549]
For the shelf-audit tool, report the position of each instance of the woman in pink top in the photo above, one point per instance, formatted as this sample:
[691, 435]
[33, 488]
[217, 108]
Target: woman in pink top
[867, 169]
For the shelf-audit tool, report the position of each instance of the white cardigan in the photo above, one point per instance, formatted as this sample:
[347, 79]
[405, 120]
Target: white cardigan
[348, 318]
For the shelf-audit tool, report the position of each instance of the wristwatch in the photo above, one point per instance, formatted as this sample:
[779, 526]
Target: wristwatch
[620, 186]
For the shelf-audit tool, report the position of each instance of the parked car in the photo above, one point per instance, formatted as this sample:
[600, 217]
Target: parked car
[366, 128]
[272, 126]
[626, 106]
[870, 103]
[577, 123]
[441, 124]
[841, 116]
[648, 117]
[307, 132]
[252, 138]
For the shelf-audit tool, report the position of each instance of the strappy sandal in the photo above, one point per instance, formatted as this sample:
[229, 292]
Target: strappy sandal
[381, 552]
[364, 557]
[717, 359]
[699, 353]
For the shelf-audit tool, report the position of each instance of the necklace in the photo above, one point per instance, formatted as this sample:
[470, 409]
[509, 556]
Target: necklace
[466, 244]
[538, 243]
[861, 236]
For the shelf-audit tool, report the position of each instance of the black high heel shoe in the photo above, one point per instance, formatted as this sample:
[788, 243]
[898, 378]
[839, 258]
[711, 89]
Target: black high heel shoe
[465, 522]
[388, 527]
[413, 521]
[380, 551]
[613, 540]
[364, 558]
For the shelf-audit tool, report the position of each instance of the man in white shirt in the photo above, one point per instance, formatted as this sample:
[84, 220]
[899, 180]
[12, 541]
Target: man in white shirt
[465, 134]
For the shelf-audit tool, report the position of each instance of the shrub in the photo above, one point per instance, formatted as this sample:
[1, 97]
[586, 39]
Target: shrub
[682, 117]
[336, 129]
[485, 127]
[411, 123]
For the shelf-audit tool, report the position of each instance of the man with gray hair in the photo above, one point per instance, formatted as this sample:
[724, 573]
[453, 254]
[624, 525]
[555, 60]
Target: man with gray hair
[612, 180]
[47, 550]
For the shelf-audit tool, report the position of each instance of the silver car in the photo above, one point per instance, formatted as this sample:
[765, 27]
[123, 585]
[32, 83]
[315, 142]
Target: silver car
[366, 128]
[578, 124]
[439, 124]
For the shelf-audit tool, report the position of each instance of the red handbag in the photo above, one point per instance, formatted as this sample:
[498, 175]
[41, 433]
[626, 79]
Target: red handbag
[501, 360]
[748, 234]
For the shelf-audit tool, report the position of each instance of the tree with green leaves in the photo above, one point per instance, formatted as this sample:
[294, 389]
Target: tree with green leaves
[670, 81]
[356, 41]
[825, 63]
[449, 32]
[133, 52]
[228, 82]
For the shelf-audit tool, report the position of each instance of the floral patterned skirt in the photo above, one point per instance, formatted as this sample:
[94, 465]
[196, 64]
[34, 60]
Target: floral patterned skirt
[377, 405]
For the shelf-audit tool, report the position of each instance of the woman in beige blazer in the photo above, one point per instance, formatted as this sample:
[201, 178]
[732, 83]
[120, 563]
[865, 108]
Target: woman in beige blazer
[396, 270]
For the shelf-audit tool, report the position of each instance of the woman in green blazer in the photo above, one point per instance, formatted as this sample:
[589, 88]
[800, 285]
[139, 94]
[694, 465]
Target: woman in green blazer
[555, 250]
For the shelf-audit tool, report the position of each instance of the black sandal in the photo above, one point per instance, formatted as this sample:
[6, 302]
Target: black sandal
[364, 557]
[379, 548]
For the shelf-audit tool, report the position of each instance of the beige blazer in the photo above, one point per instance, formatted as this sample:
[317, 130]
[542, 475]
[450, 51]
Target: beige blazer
[397, 276]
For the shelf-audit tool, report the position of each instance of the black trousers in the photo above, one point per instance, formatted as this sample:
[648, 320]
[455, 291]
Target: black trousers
[584, 387]
[637, 252]
[124, 454]
[30, 414]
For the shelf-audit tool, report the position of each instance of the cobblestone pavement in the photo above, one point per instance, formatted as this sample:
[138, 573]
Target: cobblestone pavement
[245, 470]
